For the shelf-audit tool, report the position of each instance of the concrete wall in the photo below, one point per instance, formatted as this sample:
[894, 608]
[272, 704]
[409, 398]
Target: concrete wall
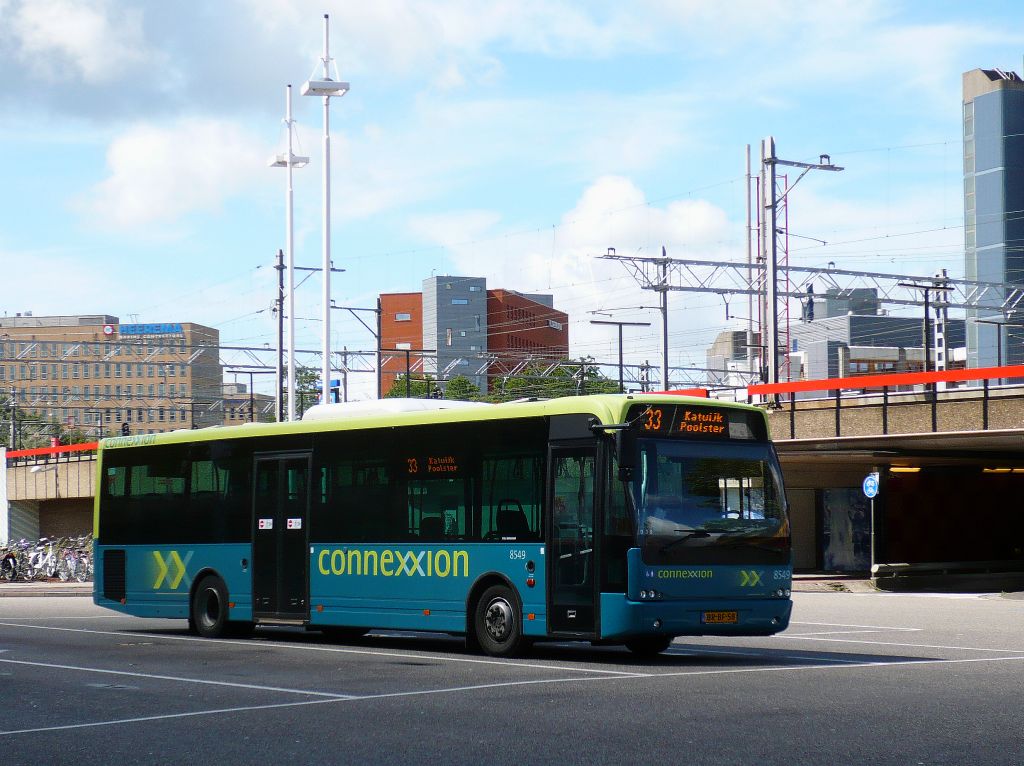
[47, 481]
[54, 501]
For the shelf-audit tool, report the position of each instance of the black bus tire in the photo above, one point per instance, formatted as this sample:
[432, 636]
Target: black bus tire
[649, 646]
[209, 610]
[498, 622]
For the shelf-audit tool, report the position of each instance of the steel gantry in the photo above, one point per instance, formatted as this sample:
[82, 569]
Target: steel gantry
[727, 278]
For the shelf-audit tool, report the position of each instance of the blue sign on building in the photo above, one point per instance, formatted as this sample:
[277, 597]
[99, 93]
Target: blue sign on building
[168, 328]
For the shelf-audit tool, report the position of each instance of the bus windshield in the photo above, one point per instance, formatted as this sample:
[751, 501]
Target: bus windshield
[702, 503]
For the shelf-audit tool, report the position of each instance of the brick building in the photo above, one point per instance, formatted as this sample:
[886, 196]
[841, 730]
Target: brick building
[456, 326]
[95, 374]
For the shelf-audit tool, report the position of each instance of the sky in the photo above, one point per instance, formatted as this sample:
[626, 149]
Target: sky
[513, 140]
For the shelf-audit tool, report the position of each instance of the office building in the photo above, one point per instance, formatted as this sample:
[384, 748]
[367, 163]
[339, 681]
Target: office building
[993, 118]
[456, 326]
[94, 374]
[846, 334]
[243, 405]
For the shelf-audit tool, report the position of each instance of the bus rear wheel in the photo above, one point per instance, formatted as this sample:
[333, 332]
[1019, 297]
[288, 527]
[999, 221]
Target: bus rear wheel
[649, 646]
[209, 611]
[498, 622]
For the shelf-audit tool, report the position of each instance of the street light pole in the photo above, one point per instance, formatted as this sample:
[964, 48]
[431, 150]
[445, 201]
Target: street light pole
[620, 325]
[326, 88]
[289, 160]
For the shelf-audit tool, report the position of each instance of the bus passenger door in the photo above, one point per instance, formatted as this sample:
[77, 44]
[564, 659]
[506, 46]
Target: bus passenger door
[280, 568]
[572, 557]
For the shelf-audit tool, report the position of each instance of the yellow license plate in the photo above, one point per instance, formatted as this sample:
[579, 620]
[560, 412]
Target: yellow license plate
[720, 618]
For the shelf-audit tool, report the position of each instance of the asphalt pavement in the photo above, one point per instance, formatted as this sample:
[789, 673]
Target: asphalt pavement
[859, 677]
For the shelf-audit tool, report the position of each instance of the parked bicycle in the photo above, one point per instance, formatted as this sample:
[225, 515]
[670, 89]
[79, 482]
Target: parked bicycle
[65, 558]
[8, 564]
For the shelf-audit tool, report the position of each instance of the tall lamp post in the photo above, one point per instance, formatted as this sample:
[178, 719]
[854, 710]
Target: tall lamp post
[289, 160]
[326, 87]
[620, 325]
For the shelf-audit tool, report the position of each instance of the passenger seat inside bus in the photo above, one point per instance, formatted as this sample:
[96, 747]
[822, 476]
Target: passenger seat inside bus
[511, 522]
[432, 528]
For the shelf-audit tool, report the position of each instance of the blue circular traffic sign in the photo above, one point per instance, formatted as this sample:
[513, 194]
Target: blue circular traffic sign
[870, 485]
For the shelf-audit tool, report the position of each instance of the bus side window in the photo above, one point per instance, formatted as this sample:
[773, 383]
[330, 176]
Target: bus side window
[356, 502]
[511, 497]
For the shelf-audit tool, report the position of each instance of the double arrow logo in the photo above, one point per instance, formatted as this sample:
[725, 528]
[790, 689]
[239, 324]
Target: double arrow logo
[164, 569]
[750, 579]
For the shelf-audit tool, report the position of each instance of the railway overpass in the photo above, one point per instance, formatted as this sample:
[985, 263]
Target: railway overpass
[948, 448]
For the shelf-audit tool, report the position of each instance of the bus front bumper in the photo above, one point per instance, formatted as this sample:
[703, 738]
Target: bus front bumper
[622, 618]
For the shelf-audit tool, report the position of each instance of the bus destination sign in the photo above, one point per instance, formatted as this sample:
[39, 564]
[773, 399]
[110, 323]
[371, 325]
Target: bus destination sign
[686, 421]
[432, 465]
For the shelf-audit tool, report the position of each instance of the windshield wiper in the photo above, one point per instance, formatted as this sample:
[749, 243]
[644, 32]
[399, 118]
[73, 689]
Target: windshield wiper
[684, 538]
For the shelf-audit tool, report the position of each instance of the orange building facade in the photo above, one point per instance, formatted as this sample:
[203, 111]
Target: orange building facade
[401, 331]
[440, 333]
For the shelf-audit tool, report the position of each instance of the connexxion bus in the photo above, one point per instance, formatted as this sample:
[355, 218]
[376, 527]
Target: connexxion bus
[614, 519]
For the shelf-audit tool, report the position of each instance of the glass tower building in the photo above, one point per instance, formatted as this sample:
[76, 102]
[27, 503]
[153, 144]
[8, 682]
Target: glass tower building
[993, 116]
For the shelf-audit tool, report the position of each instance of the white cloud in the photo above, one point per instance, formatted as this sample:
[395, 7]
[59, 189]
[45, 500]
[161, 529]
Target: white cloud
[458, 228]
[95, 41]
[611, 212]
[158, 174]
[407, 37]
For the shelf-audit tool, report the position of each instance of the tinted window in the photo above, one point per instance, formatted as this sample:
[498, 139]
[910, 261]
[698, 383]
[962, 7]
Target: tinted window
[174, 494]
[512, 492]
[431, 483]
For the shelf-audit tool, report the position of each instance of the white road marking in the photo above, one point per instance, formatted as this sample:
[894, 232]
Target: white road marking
[894, 643]
[844, 625]
[313, 648]
[765, 654]
[457, 689]
[179, 679]
[144, 719]
[795, 668]
[60, 617]
[834, 632]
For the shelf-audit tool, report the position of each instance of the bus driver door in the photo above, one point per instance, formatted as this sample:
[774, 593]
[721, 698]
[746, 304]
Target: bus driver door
[280, 569]
[572, 558]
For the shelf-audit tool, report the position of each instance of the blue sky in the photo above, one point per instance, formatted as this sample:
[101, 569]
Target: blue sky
[514, 140]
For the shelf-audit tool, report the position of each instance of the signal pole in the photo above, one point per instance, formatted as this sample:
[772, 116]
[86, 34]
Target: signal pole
[770, 201]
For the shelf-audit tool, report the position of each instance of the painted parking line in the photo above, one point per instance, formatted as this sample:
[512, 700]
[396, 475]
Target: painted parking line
[782, 637]
[764, 654]
[178, 679]
[508, 684]
[844, 625]
[835, 632]
[334, 649]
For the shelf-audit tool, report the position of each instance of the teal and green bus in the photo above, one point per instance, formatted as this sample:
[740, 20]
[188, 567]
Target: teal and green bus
[614, 519]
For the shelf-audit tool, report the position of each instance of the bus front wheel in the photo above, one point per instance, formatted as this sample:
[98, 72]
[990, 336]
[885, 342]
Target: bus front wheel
[209, 613]
[498, 622]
